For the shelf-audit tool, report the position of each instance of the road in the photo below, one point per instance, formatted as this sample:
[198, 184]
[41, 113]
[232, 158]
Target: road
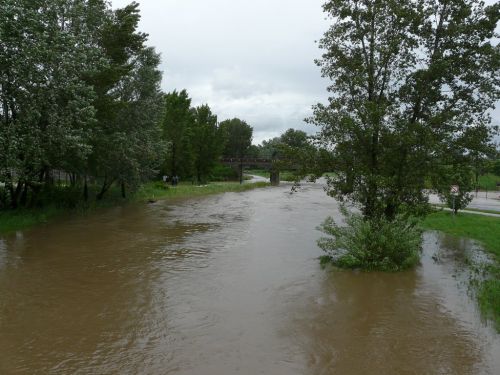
[484, 201]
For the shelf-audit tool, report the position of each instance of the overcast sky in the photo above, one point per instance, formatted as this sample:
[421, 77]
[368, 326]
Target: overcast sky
[248, 59]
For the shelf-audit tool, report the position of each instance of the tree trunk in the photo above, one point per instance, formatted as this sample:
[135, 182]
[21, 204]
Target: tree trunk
[24, 196]
[85, 190]
[104, 189]
[123, 190]
[14, 194]
[174, 161]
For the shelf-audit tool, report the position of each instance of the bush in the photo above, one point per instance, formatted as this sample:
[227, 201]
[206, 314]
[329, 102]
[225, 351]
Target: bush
[160, 185]
[59, 196]
[223, 173]
[371, 244]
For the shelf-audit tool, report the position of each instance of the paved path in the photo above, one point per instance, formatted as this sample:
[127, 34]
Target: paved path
[473, 212]
[483, 201]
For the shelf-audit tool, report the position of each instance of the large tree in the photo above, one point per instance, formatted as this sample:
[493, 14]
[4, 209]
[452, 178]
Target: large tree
[176, 126]
[206, 142]
[79, 93]
[238, 137]
[45, 106]
[411, 80]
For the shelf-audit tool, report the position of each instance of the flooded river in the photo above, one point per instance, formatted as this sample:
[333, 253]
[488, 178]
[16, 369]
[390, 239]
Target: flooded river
[228, 284]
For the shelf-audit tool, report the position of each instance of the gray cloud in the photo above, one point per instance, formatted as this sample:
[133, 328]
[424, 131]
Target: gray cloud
[246, 59]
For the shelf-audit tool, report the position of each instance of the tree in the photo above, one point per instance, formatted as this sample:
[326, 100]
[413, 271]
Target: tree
[410, 81]
[495, 167]
[463, 179]
[270, 148]
[176, 126]
[46, 108]
[137, 151]
[128, 101]
[295, 138]
[206, 142]
[238, 138]
[79, 92]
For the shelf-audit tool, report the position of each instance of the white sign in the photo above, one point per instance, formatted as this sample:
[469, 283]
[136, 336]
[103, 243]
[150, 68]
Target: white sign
[454, 190]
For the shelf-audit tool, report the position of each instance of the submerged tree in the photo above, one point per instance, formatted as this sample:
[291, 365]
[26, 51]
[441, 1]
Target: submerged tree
[410, 81]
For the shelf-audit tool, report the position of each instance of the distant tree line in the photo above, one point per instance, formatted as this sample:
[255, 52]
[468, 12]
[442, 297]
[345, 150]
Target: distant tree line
[196, 140]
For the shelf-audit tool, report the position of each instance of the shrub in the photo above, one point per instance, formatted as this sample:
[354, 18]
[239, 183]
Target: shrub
[372, 244]
[60, 196]
[223, 173]
[160, 185]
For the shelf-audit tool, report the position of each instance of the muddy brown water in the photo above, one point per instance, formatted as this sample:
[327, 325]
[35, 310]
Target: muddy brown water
[228, 284]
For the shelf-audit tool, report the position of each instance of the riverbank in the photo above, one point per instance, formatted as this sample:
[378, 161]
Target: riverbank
[485, 230]
[284, 175]
[14, 220]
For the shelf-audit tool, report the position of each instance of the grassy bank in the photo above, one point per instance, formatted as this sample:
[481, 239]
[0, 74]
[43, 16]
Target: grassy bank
[486, 230]
[13, 220]
[153, 191]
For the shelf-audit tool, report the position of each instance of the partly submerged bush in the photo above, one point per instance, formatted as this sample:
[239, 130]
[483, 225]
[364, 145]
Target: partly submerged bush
[371, 244]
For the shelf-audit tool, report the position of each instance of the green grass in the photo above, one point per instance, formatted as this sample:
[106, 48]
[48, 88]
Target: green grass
[488, 182]
[486, 230]
[13, 220]
[153, 191]
[439, 205]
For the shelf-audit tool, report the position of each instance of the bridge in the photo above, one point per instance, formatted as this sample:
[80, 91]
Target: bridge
[240, 163]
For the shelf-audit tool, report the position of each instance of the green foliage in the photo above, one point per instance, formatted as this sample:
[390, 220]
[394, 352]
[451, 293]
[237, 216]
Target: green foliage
[489, 298]
[79, 92]
[295, 138]
[176, 125]
[270, 149]
[371, 244]
[297, 154]
[463, 179]
[412, 82]
[484, 229]
[223, 173]
[489, 181]
[11, 221]
[207, 142]
[494, 167]
[237, 138]
[149, 191]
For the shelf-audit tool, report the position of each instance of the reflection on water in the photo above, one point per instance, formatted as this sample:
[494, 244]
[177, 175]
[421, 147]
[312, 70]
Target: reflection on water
[228, 284]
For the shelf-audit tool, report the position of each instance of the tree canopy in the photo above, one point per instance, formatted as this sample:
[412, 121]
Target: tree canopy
[411, 81]
[79, 92]
[237, 137]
